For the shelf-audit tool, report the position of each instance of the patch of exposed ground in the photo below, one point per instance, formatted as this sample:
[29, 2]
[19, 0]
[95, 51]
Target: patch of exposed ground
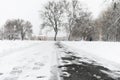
[78, 68]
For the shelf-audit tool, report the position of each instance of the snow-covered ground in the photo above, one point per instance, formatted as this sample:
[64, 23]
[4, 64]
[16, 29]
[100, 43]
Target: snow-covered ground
[26, 60]
[106, 54]
[38, 60]
[107, 50]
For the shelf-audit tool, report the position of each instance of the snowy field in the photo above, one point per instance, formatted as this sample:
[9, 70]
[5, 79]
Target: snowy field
[36, 60]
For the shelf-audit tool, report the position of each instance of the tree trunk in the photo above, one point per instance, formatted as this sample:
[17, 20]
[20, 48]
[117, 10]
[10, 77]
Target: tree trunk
[100, 35]
[69, 37]
[55, 29]
[55, 37]
[70, 32]
[22, 36]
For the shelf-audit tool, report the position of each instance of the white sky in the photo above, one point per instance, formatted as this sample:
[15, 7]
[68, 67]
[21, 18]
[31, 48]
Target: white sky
[29, 10]
[95, 6]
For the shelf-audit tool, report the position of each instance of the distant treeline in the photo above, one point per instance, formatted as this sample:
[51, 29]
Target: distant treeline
[71, 17]
[77, 21]
[16, 29]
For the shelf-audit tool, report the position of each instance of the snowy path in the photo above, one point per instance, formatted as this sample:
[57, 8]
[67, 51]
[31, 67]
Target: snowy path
[51, 61]
[30, 63]
[76, 65]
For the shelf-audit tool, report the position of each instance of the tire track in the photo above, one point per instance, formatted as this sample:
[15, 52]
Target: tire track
[80, 68]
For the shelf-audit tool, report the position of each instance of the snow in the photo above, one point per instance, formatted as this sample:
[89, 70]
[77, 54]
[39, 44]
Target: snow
[106, 54]
[38, 60]
[26, 60]
[107, 50]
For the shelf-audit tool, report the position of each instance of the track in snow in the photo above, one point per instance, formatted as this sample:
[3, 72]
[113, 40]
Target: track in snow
[32, 62]
[80, 68]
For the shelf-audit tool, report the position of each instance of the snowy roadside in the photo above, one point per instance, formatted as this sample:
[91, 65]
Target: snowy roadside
[83, 49]
[106, 50]
[47, 60]
[29, 60]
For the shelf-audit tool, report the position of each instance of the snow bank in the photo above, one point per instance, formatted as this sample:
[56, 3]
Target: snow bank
[105, 53]
[107, 50]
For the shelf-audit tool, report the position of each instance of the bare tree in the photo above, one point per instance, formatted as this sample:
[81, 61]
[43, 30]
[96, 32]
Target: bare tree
[108, 24]
[10, 30]
[83, 29]
[1, 33]
[51, 16]
[78, 20]
[17, 29]
[71, 9]
[98, 27]
[114, 2]
[24, 28]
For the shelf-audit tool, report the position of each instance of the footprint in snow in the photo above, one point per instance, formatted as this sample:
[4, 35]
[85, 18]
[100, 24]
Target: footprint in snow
[11, 78]
[16, 70]
[40, 76]
[37, 65]
[1, 74]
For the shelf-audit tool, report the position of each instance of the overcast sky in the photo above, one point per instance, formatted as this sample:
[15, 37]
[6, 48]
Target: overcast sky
[29, 10]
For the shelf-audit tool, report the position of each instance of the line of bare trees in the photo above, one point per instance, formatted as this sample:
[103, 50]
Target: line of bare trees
[72, 17]
[16, 29]
[66, 15]
[108, 24]
[78, 23]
